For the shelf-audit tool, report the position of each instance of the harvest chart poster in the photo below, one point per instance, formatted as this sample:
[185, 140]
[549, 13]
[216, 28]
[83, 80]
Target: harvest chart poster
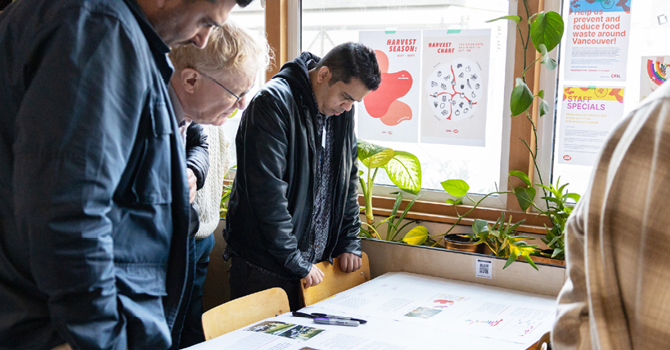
[653, 74]
[588, 114]
[455, 81]
[597, 40]
[391, 113]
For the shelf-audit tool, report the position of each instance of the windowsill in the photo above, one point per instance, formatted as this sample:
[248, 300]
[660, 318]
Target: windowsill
[446, 213]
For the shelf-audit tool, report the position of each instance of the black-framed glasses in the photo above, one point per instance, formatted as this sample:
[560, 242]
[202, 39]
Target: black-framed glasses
[237, 98]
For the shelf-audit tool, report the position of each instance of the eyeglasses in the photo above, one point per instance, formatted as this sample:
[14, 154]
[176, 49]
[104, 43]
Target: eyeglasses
[237, 98]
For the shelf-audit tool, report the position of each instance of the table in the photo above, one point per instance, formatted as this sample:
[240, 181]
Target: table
[406, 311]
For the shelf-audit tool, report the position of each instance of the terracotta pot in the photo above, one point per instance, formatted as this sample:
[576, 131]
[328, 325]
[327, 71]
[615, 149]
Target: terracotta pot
[454, 241]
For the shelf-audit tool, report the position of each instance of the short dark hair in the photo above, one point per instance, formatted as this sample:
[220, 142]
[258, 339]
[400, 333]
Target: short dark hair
[241, 3]
[352, 60]
[244, 3]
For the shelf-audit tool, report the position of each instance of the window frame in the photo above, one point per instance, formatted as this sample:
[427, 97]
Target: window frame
[283, 22]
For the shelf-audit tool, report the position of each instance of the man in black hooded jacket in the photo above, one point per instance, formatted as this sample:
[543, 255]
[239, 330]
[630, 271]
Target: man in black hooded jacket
[294, 202]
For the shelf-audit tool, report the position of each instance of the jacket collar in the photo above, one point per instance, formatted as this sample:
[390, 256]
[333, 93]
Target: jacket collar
[158, 48]
[296, 73]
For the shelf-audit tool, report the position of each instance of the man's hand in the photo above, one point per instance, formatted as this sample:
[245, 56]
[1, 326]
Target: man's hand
[350, 262]
[314, 277]
[192, 184]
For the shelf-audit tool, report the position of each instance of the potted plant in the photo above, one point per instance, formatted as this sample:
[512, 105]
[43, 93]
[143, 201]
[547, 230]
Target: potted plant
[545, 31]
[503, 240]
[404, 170]
[459, 189]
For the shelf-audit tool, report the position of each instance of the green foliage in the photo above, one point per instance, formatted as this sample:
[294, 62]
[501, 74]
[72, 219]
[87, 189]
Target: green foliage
[558, 210]
[402, 168]
[458, 188]
[416, 236]
[546, 29]
[525, 196]
[394, 224]
[503, 240]
[455, 187]
[225, 195]
[521, 99]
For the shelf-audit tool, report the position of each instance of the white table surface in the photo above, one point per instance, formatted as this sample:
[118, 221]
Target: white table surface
[406, 311]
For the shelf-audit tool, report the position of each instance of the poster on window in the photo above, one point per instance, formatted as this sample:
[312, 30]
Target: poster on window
[391, 113]
[653, 74]
[597, 40]
[588, 114]
[455, 87]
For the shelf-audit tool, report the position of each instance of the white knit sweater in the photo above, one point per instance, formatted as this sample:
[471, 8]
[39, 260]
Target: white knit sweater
[209, 196]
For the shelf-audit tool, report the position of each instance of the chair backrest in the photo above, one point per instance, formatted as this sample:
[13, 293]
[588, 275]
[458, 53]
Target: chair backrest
[334, 281]
[543, 343]
[244, 311]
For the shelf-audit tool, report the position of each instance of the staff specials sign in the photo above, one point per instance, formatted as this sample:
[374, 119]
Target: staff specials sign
[598, 33]
[588, 114]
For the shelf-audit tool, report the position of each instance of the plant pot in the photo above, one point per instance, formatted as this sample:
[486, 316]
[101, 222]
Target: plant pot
[454, 241]
[546, 259]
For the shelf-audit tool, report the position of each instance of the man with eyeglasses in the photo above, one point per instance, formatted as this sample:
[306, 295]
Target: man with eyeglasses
[208, 87]
[294, 202]
[93, 192]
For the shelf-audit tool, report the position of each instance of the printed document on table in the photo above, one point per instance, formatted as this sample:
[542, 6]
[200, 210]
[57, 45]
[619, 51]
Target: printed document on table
[462, 307]
[295, 333]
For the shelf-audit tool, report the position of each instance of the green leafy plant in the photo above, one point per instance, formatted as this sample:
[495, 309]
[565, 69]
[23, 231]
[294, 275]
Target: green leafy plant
[225, 195]
[394, 225]
[545, 31]
[402, 168]
[459, 189]
[503, 240]
[558, 211]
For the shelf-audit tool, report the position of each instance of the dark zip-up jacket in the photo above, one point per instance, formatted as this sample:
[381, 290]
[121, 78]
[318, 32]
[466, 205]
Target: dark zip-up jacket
[93, 194]
[270, 209]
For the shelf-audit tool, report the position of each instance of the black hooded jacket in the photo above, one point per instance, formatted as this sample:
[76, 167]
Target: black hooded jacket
[270, 209]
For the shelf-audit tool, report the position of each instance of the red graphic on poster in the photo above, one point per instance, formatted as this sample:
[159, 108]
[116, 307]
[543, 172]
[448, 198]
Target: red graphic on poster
[383, 103]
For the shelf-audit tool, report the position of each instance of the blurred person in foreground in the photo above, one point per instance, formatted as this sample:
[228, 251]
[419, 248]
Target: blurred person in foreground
[617, 240]
[294, 201]
[93, 193]
[208, 87]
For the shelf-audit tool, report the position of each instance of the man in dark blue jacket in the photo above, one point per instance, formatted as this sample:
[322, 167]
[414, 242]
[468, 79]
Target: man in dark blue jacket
[93, 192]
[294, 202]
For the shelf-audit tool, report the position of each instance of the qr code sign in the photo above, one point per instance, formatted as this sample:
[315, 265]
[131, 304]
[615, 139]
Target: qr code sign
[484, 268]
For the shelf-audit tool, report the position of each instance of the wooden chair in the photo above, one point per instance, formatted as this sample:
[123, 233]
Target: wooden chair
[334, 281]
[543, 343]
[244, 311]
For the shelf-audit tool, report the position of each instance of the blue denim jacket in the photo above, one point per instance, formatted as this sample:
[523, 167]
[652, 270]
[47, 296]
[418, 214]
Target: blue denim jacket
[93, 193]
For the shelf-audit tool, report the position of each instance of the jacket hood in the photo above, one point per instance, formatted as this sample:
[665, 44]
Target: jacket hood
[296, 74]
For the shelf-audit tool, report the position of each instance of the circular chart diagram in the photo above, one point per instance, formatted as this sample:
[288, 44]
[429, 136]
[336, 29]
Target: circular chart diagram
[454, 89]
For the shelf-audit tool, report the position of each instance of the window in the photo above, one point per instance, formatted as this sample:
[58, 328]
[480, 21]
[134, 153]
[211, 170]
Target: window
[320, 25]
[326, 24]
[252, 18]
